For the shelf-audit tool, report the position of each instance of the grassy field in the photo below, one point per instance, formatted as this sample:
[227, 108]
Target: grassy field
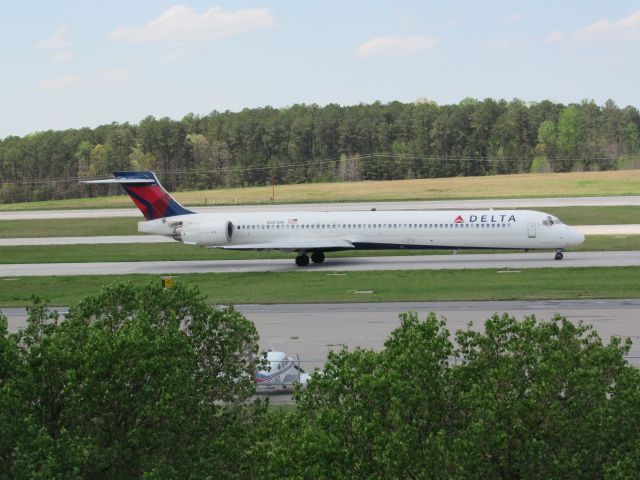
[69, 227]
[138, 252]
[496, 186]
[312, 287]
[86, 227]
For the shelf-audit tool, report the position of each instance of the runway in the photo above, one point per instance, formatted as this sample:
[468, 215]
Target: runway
[106, 239]
[500, 261]
[631, 200]
[310, 331]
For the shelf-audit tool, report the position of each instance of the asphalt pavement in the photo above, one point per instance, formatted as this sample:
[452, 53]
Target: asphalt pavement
[500, 261]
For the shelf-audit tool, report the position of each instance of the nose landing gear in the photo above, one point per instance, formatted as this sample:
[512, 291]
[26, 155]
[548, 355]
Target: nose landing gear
[559, 255]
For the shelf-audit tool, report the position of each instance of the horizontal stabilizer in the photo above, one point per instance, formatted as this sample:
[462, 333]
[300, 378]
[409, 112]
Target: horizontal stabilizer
[121, 181]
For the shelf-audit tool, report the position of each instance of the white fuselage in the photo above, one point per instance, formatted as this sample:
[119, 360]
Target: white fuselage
[300, 231]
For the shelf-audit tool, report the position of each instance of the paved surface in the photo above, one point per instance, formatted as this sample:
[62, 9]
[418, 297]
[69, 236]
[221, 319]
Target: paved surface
[311, 330]
[506, 261]
[630, 229]
[6, 242]
[9, 242]
[412, 205]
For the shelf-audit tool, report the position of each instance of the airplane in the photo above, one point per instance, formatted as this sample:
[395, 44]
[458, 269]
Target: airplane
[316, 233]
[281, 374]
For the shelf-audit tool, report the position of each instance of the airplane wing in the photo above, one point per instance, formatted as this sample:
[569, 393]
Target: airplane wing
[293, 245]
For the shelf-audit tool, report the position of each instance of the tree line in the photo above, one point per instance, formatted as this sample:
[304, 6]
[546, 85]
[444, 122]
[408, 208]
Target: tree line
[309, 143]
[145, 382]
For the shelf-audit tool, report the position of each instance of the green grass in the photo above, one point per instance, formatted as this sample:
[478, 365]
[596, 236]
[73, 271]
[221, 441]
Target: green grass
[610, 215]
[87, 227]
[492, 186]
[602, 243]
[137, 252]
[69, 227]
[314, 287]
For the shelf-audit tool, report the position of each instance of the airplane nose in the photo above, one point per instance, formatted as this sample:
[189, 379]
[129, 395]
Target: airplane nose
[576, 237]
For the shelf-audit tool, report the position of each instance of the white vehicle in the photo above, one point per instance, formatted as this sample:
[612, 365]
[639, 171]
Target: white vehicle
[282, 374]
[315, 233]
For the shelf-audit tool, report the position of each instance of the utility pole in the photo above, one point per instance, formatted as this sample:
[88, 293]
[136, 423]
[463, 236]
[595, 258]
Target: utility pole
[273, 188]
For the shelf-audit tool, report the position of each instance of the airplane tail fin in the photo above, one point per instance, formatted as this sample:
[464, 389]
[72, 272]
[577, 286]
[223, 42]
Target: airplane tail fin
[147, 193]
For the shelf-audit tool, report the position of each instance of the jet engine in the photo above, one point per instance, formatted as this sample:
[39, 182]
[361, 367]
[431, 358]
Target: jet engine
[209, 234]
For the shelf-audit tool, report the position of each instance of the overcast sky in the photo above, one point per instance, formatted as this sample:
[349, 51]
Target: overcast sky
[69, 64]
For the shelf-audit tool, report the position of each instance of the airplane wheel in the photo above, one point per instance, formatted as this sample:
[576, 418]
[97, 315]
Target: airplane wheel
[559, 256]
[302, 260]
[317, 257]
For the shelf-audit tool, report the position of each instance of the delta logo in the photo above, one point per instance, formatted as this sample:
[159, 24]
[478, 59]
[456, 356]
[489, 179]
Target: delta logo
[493, 218]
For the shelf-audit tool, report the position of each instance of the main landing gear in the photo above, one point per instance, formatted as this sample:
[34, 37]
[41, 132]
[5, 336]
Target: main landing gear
[302, 260]
[317, 257]
[559, 255]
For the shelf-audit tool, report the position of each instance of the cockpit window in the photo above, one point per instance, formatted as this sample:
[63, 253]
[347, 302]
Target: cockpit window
[549, 221]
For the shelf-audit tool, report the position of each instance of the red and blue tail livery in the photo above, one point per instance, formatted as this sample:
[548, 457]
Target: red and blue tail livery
[147, 193]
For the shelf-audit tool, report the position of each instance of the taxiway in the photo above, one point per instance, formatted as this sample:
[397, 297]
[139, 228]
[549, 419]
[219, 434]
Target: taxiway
[500, 261]
[631, 200]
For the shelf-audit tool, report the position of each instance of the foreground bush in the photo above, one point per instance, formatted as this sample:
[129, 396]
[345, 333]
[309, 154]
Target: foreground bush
[529, 399]
[135, 381]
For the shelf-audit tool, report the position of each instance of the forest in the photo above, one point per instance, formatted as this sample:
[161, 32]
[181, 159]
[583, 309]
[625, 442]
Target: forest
[310, 143]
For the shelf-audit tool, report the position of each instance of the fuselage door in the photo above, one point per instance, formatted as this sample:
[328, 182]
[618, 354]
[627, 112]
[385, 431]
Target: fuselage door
[531, 230]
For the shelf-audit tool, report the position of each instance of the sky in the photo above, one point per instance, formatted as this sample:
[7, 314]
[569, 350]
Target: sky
[76, 63]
